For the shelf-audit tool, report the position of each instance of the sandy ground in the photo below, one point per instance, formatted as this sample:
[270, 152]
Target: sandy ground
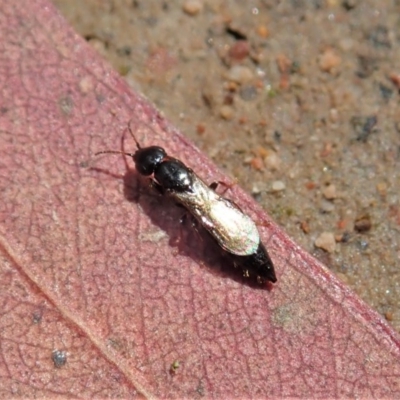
[296, 99]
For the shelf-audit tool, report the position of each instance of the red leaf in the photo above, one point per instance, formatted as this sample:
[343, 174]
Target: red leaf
[90, 275]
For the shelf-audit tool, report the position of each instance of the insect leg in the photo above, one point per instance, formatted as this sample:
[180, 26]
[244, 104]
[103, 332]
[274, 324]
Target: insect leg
[154, 184]
[215, 184]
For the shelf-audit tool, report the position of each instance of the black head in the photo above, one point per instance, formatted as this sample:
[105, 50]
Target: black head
[173, 174]
[147, 159]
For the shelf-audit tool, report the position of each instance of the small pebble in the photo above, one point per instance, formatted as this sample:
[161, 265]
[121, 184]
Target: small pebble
[200, 129]
[192, 7]
[311, 185]
[240, 50]
[362, 244]
[333, 3]
[98, 45]
[363, 223]
[226, 112]
[240, 74]
[326, 241]
[258, 187]
[326, 150]
[389, 316]
[262, 31]
[341, 237]
[329, 192]
[278, 186]
[342, 223]
[333, 115]
[327, 206]
[395, 78]
[257, 163]
[255, 190]
[346, 237]
[305, 227]
[381, 187]
[248, 92]
[261, 151]
[272, 161]
[329, 60]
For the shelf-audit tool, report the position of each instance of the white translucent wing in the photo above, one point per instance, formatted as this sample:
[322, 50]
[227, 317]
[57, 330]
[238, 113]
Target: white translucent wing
[235, 232]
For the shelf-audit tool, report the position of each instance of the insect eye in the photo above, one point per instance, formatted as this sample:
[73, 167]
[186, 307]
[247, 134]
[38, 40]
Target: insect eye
[148, 158]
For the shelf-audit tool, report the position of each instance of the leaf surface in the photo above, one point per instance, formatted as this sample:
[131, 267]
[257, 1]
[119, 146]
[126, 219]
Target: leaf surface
[96, 266]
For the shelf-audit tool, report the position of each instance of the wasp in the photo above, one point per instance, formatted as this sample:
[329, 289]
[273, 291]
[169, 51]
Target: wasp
[234, 231]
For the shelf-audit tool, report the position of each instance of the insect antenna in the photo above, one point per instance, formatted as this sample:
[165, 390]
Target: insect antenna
[114, 152]
[133, 136]
[122, 152]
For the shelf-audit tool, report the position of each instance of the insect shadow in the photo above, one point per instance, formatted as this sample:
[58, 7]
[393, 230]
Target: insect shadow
[186, 237]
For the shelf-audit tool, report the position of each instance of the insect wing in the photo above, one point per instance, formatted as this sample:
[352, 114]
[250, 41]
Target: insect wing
[235, 232]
